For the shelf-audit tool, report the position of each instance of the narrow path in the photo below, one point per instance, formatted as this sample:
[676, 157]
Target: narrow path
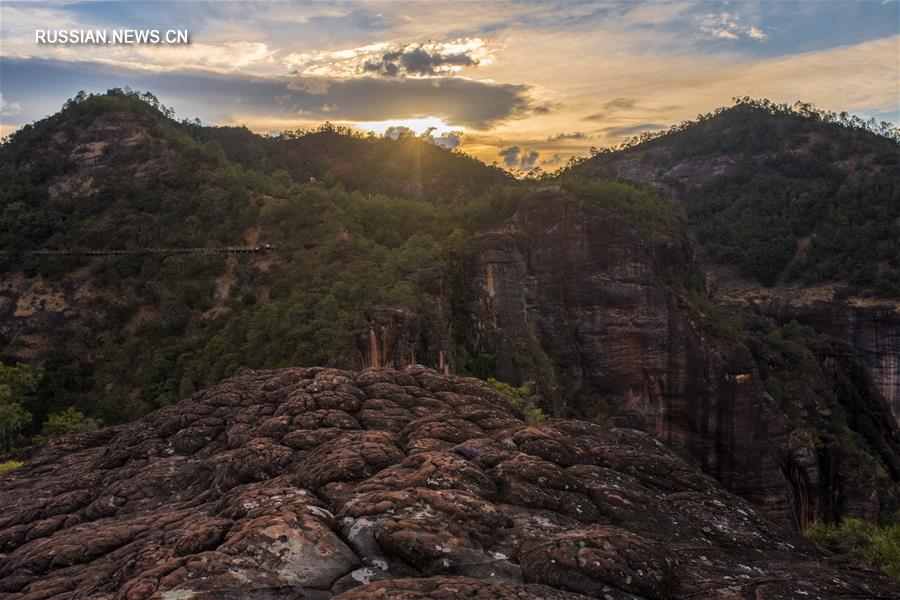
[195, 250]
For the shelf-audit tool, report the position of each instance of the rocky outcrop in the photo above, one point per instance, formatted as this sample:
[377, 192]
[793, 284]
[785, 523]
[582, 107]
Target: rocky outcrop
[320, 483]
[394, 337]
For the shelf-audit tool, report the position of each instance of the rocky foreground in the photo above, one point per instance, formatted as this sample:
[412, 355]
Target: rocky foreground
[318, 483]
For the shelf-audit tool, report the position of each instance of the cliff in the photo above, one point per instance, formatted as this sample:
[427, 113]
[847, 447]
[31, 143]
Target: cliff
[580, 300]
[319, 483]
[795, 210]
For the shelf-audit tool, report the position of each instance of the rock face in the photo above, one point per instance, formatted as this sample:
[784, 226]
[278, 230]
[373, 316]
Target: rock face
[579, 300]
[319, 483]
[871, 332]
[587, 289]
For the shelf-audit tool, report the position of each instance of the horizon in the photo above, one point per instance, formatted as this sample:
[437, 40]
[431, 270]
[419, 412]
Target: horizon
[799, 108]
[607, 71]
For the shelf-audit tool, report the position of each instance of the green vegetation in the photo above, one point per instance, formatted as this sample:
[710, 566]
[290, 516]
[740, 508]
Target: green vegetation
[9, 465]
[172, 323]
[840, 227]
[657, 215]
[806, 195]
[522, 397]
[876, 545]
[17, 384]
[67, 422]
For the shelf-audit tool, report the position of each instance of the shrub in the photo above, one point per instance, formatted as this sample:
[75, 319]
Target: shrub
[875, 545]
[522, 397]
[67, 422]
[9, 465]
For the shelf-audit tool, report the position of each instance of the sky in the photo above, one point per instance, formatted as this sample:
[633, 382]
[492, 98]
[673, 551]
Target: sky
[523, 84]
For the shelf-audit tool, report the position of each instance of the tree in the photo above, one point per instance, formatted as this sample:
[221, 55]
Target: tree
[67, 422]
[15, 385]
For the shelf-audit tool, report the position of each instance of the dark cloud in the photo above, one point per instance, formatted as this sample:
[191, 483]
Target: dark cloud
[417, 60]
[456, 100]
[559, 137]
[528, 159]
[448, 140]
[399, 132]
[41, 86]
[594, 117]
[632, 129]
[553, 160]
[510, 156]
[518, 158]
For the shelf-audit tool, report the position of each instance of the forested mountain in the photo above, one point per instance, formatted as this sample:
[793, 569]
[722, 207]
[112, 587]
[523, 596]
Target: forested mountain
[145, 259]
[780, 192]
[113, 173]
[409, 166]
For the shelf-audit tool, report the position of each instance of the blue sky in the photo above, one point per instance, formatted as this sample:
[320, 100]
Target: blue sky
[551, 78]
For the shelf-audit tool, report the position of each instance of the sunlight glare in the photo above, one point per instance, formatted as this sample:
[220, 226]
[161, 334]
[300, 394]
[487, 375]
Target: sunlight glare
[418, 125]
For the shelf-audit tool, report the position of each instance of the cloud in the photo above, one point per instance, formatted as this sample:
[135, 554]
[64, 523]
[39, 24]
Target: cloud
[553, 161]
[420, 59]
[631, 130]
[332, 63]
[518, 158]
[456, 100]
[613, 106]
[448, 140]
[7, 109]
[510, 156]
[727, 26]
[612, 65]
[219, 97]
[756, 33]
[559, 137]
[399, 132]
[228, 56]
[311, 85]
[620, 104]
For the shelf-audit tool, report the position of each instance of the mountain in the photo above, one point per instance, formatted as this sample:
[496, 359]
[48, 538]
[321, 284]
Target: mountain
[112, 174]
[146, 259]
[409, 166]
[781, 193]
[797, 212]
[319, 483]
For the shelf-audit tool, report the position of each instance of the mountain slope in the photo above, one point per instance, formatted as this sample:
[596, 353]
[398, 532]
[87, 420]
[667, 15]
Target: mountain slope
[797, 213]
[122, 333]
[780, 193]
[408, 167]
[319, 483]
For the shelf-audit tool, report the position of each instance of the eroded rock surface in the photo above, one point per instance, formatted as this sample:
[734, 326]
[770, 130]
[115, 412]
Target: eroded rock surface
[320, 483]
